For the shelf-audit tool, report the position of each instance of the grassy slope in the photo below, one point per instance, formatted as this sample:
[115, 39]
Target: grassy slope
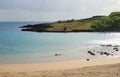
[73, 25]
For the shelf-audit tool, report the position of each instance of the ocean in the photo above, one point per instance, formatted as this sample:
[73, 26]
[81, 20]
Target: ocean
[17, 46]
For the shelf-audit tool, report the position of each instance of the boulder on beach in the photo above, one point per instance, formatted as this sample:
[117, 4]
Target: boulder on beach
[88, 59]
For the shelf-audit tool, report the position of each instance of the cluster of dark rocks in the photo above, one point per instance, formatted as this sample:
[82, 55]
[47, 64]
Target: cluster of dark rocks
[114, 47]
[93, 53]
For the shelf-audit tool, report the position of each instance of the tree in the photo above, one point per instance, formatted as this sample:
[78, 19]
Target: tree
[108, 23]
[114, 14]
[101, 24]
[116, 23]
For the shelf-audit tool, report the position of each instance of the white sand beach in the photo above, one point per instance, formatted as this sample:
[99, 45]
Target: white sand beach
[56, 69]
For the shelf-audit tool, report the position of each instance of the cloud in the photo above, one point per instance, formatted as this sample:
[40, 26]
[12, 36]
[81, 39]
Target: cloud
[115, 6]
[6, 4]
[51, 10]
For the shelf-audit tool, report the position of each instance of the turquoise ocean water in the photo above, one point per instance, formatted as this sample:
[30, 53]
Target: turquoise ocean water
[31, 47]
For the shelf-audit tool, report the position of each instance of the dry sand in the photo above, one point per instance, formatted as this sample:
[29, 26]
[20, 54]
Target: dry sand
[109, 67]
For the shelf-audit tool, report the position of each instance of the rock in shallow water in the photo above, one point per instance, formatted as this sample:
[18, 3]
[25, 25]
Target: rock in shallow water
[57, 54]
[91, 53]
[116, 49]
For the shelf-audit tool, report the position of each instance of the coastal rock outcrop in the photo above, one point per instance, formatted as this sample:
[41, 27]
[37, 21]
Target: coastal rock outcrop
[106, 49]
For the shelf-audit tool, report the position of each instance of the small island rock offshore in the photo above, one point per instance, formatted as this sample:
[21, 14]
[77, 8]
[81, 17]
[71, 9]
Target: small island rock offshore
[109, 23]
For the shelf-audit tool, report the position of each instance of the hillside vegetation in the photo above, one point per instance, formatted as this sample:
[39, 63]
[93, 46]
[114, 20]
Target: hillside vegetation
[95, 23]
[108, 23]
[74, 25]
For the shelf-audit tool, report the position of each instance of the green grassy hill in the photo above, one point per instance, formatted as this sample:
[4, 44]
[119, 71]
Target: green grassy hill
[59, 26]
[74, 25]
[71, 25]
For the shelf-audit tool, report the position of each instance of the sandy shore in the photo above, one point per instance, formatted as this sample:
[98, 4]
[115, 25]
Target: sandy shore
[77, 68]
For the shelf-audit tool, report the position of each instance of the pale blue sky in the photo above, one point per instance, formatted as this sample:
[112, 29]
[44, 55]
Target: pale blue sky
[53, 10]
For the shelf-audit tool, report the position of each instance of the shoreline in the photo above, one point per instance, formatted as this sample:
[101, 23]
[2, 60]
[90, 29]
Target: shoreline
[54, 66]
[93, 31]
[75, 32]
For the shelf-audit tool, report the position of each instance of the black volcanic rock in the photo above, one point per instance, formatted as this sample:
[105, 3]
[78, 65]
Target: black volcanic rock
[36, 27]
[91, 53]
